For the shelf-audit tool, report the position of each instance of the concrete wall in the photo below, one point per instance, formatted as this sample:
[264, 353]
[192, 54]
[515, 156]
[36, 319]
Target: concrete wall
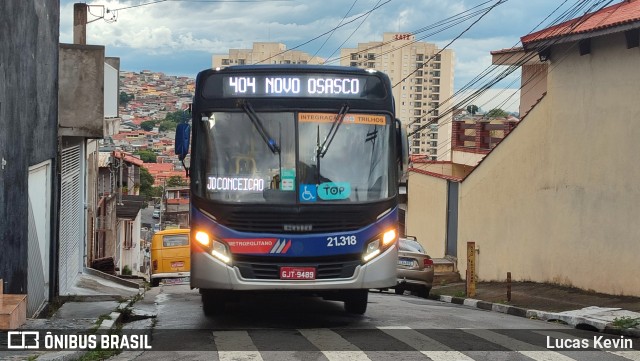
[427, 212]
[468, 158]
[557, 200]
[81, 102]
[28, 121]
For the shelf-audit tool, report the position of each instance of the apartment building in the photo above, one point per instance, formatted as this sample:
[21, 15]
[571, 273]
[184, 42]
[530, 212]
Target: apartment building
[424, 77]
[264, 53]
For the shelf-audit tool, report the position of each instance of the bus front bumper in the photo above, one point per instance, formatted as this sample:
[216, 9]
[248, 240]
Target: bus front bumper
[208, 272]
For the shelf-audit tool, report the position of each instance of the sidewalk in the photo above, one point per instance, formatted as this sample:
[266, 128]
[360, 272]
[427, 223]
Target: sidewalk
[98, 305]
[576, 307]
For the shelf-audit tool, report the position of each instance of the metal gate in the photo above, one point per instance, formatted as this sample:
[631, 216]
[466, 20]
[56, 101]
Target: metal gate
[71, 217]
[39, 237]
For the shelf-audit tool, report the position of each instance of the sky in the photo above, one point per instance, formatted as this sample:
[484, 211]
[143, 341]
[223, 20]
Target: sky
[179, 37]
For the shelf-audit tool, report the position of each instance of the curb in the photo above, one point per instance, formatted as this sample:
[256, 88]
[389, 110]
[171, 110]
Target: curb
[105, 326]
[574, 321]
[108, 277]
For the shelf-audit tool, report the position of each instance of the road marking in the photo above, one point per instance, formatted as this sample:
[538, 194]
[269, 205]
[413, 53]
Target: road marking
[229, 343]
[341, 349]
[517, 345]
[426, 345]
[630, 355]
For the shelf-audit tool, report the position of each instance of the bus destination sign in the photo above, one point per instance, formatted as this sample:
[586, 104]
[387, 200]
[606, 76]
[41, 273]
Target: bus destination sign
[307, 85]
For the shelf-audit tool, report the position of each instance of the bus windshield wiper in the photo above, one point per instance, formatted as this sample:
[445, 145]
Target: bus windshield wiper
[257, 123]
[322, 150]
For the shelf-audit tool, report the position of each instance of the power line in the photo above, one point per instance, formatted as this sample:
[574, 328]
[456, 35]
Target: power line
[326, 32]
[451, 42]
[353, 32]
[198, 1]
[494, 80]
[456, 19]
[564, 54]
[329, 37]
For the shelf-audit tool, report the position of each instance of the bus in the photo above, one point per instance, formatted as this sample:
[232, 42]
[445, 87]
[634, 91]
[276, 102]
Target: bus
[294, 176]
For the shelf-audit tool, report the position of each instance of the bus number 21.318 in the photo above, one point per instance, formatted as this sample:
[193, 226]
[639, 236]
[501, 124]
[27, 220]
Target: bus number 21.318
[341, 241]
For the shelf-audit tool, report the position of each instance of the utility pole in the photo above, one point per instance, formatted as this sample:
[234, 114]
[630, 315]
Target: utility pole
[164, 187]
[80, 23]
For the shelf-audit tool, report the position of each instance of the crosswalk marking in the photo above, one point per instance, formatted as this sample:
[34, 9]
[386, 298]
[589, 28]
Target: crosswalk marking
[423, 343]
[630, 355]
[515, 345]
[339, 345]
[229, 342]
[325, 339]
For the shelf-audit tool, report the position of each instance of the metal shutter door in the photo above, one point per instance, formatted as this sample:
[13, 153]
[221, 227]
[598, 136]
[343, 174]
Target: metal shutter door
[71, 211]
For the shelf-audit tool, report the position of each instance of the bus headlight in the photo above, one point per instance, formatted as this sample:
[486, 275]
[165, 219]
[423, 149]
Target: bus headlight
[203, 238]
[379, 245]
[216, 248]
[220, 251]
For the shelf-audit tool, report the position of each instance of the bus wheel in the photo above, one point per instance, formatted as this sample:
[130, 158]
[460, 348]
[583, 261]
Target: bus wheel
[155, 282]
[356, 302]
[213, 303]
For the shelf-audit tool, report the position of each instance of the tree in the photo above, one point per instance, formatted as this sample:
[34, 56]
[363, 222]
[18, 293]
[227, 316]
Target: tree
[172, 119]
[167, 125]
[148, 125]
[472, 109]
[496, 113]
[146, 184]
[147, 156]
[177, 116]
[125, 98]
[175, 181]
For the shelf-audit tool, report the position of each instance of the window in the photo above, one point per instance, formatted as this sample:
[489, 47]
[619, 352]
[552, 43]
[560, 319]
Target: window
[128, 235]
[175, 240]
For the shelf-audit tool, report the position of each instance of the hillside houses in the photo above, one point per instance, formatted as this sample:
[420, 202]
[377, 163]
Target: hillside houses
[152, 97]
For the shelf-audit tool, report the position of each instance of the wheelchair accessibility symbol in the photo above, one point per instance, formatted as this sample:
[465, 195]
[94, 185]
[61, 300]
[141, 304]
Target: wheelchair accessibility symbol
[308, 192]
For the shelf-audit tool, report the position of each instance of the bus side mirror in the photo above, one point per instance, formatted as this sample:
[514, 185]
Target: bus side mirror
[402, 145]
[182, 140]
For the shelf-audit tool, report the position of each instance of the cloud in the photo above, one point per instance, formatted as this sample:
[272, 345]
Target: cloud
[163, 30]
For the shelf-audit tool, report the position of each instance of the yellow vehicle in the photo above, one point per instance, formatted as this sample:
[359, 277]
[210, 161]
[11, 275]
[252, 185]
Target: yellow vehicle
[170, 255]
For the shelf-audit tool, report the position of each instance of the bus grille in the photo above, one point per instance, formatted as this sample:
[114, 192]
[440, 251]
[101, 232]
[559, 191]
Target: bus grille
[273, 222]
[271, 271]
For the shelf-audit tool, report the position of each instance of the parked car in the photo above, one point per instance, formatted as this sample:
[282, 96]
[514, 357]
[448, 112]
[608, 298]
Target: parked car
[415, 268]
[156, 214]
[170, 256]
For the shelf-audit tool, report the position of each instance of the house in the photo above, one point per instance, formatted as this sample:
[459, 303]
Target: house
[118, 215]
[557, 200]
[176, 206]
[29, 164]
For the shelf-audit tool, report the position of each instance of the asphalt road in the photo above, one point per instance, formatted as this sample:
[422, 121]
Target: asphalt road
[268, 327]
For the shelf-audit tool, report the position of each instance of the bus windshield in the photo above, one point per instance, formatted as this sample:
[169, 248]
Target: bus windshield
[353, 165]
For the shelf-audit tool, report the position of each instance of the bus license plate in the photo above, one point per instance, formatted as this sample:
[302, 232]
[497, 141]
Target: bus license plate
[177, 264]
[297, 273]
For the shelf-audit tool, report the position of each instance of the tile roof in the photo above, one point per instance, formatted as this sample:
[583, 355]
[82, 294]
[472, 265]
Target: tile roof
[625, 12]
[159, 167]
